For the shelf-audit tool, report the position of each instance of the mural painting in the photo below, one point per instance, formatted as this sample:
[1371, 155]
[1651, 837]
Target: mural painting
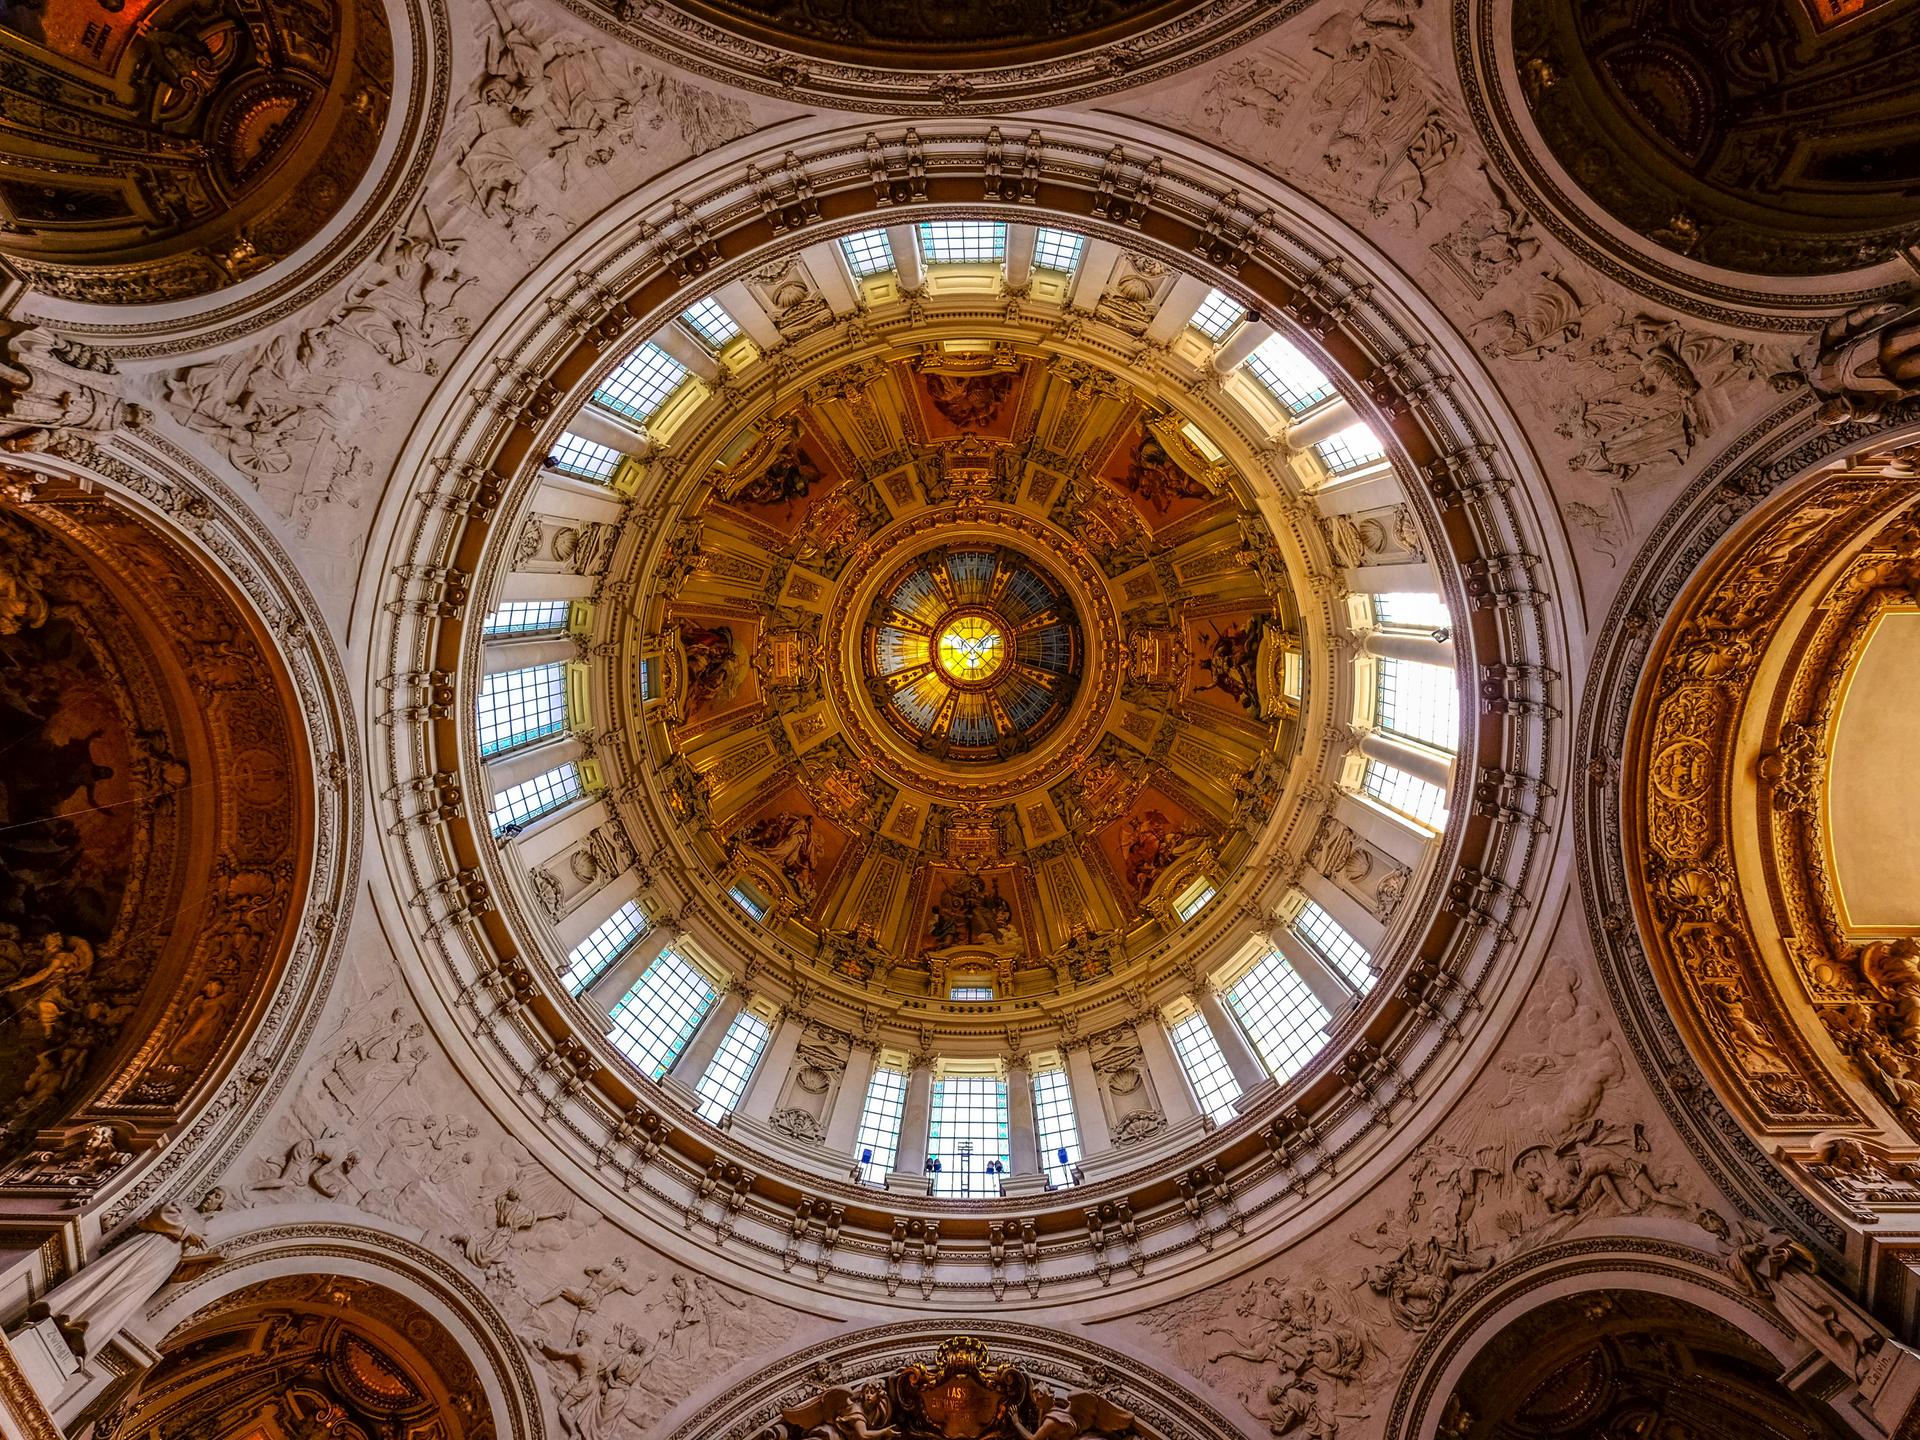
[1226, 662]
[1142, 468]
[1155, 832]
[983, 403]
[788, 839]
[719, 665]
[69, 838]
[967, 911]
[780, 478]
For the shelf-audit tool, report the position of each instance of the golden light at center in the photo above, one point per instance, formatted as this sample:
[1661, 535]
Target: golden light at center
[971, 648]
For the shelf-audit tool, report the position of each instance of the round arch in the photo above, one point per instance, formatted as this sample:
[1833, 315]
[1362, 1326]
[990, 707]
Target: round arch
[1645, 1263]
[329, 1261]
[1743, 989]
[867, 1360]
[241, 995]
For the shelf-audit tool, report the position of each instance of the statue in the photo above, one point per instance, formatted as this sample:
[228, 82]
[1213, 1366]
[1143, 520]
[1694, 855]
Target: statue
[42, 393]
[836, 1413]
[1071, 1414]
[1865, 361]
[1892, 967]
[94, 1305]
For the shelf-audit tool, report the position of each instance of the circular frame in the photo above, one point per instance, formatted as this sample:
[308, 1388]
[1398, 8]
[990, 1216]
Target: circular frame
[1428, 1007]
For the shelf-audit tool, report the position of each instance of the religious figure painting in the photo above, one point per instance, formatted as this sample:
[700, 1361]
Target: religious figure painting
[982, 403]
[717, 665]
[1162, 490]
[785, 841]
[1226, 657]
[972, 912]
[780, 491]
[1155, 832]
[68, 836]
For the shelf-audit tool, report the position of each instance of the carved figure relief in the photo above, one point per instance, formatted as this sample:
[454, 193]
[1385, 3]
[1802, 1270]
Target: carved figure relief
[962, 1392]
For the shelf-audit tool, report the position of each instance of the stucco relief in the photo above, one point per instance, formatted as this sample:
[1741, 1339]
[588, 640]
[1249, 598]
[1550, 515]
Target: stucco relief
[383, 1124]
[553, 126]
[1549, 1142]
[1623, 396]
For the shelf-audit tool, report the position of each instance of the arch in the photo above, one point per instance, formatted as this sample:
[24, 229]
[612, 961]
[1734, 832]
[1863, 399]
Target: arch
[250, 984]
[230, 282]
[1645, 1263]
[1156, 1403]
[345, 1269]
[1555, 180]
[1715, 981]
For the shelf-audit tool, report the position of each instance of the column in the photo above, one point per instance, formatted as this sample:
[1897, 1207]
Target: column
[606, 992]
[1019, 261]
[828, 267]
[843, 1123]
[508, 653]
[910, 1157]
[1096, 268]
[603, 429]
[540, 585]
[1023, 1150]
[1177, 310]
[1429, 765]
[738, 301]
[1176, 1095]
[692, 1062]
[680, 344]
[1409, 575]
[907, 263]
[1420, 649]
[763, 1090]
[1328, 988]
[1239, 345]
[511, 767]
[1088, 1108]
[1240, 1057]
[1324, 420]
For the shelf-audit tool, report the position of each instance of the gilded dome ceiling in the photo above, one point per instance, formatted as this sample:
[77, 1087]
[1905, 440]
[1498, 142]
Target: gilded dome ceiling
[972, 653]
[176, 149]
[959, 664]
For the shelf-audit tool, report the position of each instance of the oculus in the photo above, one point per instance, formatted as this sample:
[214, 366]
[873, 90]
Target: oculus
[972, 653]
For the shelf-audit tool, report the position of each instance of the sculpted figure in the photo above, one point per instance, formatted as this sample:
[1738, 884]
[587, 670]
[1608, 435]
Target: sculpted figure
[57, 988]
[837, 1413]
[40, 396]
[1776, 1267]
[1072, 1413]
[1893, 968]
[1865, 361]
[92, 1307]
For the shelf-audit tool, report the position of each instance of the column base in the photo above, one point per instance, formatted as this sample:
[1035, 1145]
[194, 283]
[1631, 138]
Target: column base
[906, 1182]
[45, 1359]
[1023, 1185]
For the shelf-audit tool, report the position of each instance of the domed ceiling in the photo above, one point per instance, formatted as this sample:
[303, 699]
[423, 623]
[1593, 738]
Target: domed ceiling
[176, 148]
[1776, 137]
[966, 32]
[965, 665]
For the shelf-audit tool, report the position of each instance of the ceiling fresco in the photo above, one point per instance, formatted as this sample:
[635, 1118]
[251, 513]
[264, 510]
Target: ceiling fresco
[1779, 138]
[966, 663]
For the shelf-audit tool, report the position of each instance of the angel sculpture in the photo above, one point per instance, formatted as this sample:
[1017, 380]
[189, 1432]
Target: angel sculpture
[836, 1413]
[1073, 1413]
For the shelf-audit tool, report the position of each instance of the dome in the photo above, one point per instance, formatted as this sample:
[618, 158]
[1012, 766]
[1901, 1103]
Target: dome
[972, 627]
[972, 653]
[971, 681]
